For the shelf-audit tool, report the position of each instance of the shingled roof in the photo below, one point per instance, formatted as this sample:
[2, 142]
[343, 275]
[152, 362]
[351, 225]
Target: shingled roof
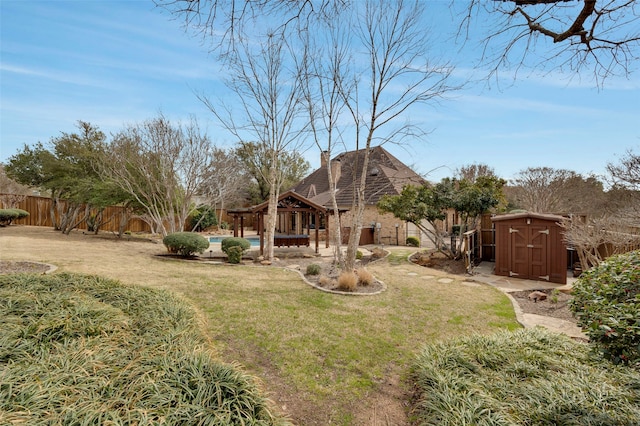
[386, 175]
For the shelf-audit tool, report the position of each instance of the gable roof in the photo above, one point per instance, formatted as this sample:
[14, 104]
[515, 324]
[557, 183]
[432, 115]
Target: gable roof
[386, 176]
[291, 201]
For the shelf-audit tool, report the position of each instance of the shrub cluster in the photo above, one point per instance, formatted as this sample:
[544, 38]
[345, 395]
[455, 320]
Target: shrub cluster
[234, 247]
[185, 243]
[9, 215]
[606, 301]
[413, 242]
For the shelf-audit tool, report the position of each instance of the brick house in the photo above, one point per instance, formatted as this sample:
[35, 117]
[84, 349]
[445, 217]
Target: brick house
[386, 176]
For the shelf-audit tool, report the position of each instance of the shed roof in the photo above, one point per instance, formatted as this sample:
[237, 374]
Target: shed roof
[533, 215]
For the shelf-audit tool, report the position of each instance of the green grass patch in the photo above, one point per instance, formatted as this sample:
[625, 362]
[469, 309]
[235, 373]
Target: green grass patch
[339, 349]
[78, 349]
[398, 256]
[527, 377]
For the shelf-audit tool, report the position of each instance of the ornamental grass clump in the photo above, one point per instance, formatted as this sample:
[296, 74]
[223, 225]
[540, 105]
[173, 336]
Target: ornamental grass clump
[365, 278]
[185, 243]
[606, 301]
[78, 349]
[528, 377]
[347, 281]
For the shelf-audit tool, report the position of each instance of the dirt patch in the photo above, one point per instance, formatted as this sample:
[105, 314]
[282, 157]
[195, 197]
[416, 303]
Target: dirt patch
[556, 304]
[436, 260]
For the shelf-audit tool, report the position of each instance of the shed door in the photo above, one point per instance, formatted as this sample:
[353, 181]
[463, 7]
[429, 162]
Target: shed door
[529, 254]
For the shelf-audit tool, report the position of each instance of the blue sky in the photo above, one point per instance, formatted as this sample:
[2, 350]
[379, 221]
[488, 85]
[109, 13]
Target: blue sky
[113, 63]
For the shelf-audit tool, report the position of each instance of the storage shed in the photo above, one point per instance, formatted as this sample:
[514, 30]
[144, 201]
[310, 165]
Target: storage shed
[530, 246]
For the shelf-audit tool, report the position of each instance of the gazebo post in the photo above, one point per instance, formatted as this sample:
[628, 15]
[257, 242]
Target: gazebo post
[326, 230]
[261, 232]
[242, 226]
[317, 217]
[235, 225]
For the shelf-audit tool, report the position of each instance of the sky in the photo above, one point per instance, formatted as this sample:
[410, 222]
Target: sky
[114, 63]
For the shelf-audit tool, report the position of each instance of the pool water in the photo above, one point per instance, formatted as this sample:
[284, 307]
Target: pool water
[255, 241]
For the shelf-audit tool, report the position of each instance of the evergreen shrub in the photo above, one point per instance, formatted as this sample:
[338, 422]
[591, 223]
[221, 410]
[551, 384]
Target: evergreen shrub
[9, 215]
[413, 242]
[202, 218]
[606, 301]
[234, 253]
[313, 269]
[227, 243]
[185, 243]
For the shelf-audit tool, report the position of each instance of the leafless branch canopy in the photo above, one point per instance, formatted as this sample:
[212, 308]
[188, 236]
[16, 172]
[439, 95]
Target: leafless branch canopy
[223, 21]
[600, 36]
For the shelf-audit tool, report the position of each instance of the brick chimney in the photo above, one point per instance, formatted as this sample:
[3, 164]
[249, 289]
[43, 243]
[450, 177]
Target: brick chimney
[324, 158]
[336, 170]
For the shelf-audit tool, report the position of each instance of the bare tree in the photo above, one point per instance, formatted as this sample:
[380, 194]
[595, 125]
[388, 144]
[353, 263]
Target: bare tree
[225, 22]
[599, 36]
[472, 172]
[225, 181]
[388, 51]
[162, 167]
[625, 182]
[252, 161]
[268, 110]
[11, 192]
[324, 86]
[548, 190]
[595, 239]
[399, 76]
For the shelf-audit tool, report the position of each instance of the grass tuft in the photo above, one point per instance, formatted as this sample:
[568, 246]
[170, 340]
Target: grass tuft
[526, 377]
[85, 350]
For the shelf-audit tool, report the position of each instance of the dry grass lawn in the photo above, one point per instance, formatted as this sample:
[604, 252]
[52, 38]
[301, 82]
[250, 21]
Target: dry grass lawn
[322, 358]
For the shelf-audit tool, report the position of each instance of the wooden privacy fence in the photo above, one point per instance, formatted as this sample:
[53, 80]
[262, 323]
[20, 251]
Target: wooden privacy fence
[39, 209]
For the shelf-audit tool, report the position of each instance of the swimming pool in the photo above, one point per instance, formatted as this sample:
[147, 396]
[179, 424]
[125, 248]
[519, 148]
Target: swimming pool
[255, 241]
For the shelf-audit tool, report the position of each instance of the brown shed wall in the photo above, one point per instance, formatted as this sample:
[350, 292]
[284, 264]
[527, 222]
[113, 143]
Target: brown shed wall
[530, 246]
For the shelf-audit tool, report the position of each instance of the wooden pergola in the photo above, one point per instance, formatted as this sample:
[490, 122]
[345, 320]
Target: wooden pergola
[296, 214]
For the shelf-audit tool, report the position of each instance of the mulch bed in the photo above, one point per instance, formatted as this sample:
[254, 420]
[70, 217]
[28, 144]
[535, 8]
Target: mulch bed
[16, 267]
[556, 304]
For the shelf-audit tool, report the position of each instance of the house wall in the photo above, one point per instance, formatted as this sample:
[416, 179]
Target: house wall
[385, 234]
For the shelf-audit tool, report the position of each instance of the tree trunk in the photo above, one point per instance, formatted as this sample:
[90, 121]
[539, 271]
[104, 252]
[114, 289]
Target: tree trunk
[272, 213]
[358, 211]
[338, 258]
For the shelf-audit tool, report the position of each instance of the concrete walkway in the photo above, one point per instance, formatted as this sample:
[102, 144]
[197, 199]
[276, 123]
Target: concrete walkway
[484, 273]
